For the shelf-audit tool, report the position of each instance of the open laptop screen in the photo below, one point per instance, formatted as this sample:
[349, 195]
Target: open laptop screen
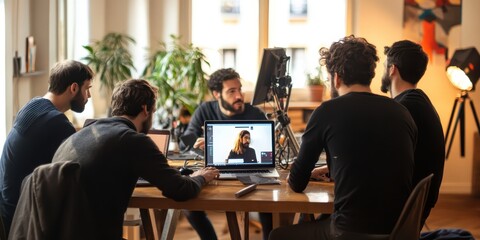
[161, 138]
[258, 147]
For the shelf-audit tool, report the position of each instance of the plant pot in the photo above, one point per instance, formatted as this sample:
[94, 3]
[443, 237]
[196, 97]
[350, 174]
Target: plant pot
[316, 93]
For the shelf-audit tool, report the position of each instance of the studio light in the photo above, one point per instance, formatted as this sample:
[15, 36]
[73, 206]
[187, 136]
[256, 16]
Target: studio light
[463, 71]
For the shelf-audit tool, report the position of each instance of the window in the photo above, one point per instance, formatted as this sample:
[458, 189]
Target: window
[72, 36]
[230, 7]
[297, 66]
[298, 8]
[229, 58]
[324, 23]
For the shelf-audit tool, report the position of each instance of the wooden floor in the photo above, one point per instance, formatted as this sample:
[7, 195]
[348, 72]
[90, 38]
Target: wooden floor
[451, 211]
[456, 211]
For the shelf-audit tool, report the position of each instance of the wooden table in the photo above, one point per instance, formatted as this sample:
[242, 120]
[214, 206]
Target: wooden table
[219, 195]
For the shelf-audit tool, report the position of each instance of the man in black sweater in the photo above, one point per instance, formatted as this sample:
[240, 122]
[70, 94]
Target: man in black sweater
[114, 152]
[226, 88]
[369, 141]
[39, 128]
[405, 65]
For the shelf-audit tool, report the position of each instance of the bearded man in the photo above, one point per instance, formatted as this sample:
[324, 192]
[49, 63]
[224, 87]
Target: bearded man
[39, 128]
[229, 104]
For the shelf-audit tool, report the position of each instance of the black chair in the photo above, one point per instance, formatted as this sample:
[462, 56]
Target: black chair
[3, 232]
[409, 224]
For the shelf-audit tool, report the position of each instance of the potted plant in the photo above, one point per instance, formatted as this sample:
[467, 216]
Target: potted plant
[316, 84]
[177, 71]
[111, 58]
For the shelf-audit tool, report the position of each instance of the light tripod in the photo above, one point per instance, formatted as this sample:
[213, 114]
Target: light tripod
[285, 141]
[460, 120]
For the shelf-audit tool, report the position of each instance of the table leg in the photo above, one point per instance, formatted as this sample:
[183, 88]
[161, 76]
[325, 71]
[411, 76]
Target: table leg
[159, 216]
[246, 225]
[147, 224]
[233, 225]
[170, 224]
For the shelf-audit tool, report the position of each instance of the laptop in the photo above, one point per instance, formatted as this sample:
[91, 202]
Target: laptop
[220, 138]
[161, 138]
[189, 153]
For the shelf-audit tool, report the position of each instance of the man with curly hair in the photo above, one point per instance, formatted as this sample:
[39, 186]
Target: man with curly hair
[369, 141]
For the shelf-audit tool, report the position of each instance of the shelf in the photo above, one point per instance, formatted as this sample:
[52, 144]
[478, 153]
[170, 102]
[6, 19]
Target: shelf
[30, 74]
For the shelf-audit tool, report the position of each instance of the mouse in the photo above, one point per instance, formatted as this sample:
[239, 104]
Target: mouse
[185, 171]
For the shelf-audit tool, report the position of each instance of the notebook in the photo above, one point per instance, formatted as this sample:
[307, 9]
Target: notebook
[258, 158]
[161, 138]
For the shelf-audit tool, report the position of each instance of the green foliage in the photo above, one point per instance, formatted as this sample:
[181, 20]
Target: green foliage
[177, 72]
[111, 59]
[317, 77]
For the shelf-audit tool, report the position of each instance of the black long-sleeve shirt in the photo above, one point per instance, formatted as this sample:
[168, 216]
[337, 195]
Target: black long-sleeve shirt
[430, 150]
[369, 141]
[211, 111]
[248, 155]
[112, 156]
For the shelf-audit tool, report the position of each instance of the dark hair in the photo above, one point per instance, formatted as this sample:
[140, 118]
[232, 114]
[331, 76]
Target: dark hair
[215, 83]
[184, 112]
[129, 97]
[67, 72]
[409, 58]
[353, 59]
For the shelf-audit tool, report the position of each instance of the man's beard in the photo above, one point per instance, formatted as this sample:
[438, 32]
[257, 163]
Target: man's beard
[386, 83]
[77, 104]
[333, 90]
[245, 145]
[229, 107]
[147, 124]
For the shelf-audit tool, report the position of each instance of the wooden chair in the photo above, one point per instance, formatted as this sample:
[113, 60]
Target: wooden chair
[408, 225]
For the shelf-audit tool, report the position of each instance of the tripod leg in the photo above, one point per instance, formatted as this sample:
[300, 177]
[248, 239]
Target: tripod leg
[462, 130]
[455, 128]
[475, 116]
[451, 117]
[293, 140]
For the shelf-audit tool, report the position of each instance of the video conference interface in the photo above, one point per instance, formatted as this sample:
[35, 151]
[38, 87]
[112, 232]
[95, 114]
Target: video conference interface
[221, 138]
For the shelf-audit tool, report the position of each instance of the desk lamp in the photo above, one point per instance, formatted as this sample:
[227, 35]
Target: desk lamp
[463, 71]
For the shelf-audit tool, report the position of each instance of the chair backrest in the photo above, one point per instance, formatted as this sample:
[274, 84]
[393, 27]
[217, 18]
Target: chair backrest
[3, 232]
[53, 205]
[408, 225]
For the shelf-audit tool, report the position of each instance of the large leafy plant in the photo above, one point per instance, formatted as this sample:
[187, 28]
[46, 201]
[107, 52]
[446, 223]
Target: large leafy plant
[111, 58]
[177, 71]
